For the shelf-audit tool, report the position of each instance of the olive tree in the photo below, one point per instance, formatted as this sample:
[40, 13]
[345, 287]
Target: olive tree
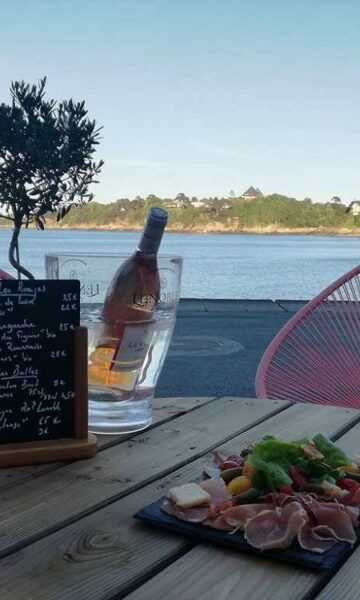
[46, 159]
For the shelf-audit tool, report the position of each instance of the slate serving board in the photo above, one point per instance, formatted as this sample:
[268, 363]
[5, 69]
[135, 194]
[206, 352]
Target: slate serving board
[153, 515]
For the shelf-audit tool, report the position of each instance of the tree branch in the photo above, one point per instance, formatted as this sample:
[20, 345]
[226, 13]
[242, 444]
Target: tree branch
[14, 250]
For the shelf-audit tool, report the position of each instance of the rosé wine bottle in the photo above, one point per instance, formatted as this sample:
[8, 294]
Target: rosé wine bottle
[124, 339]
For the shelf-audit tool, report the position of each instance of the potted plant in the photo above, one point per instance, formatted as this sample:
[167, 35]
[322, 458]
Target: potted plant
[46, 160]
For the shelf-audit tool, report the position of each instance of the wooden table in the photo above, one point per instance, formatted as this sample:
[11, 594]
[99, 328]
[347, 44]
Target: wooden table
[67, 532]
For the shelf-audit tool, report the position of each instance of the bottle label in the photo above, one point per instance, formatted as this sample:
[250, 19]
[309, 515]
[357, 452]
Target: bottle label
[134, 345]
[142, 301]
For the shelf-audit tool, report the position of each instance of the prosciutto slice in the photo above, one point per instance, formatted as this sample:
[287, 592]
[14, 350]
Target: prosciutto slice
[309, 539]
[275, 528]
[218, 523]
[220, 497]
[196, 514]
[236, 517]
[217, 490]
[332, 520]
[220, 500]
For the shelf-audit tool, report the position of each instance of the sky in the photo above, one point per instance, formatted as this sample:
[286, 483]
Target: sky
[202, 96]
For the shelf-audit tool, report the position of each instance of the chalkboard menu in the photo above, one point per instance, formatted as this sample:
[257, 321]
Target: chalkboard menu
[38, 320]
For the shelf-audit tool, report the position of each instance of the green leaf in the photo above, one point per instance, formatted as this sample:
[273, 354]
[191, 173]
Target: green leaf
[274, 474]
[283, 453]
[334, 456]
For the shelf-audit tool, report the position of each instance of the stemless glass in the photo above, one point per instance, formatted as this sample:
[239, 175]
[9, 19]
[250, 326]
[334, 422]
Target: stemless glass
[121, 398]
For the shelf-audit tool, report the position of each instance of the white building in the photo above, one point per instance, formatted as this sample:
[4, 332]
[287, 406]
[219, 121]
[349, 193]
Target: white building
[354, 208]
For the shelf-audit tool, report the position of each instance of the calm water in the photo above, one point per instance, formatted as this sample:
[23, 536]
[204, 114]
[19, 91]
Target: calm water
[215, 266]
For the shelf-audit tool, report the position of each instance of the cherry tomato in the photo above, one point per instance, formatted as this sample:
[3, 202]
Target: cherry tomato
[298, 477]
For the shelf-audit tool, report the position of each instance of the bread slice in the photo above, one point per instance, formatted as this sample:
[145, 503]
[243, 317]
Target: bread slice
[188, 495]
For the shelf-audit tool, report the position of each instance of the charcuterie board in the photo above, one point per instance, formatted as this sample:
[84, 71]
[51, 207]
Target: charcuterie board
[153, 515]
[296, 501]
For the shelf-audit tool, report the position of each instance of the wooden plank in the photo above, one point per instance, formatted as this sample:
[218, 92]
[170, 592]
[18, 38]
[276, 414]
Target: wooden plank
[107, 553]
[79, 488]
[164, 409]
[31, 453]
[224, 575]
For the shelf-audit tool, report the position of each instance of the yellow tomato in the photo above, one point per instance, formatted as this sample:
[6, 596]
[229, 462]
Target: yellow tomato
[239, 485]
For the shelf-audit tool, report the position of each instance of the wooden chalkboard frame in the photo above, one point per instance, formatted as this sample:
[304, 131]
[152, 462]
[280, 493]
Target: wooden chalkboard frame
[82, 445]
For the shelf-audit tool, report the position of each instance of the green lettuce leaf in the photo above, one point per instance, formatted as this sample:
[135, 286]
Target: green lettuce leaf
[272, 458]
[334, 456]
[269, 475]
[282, 453]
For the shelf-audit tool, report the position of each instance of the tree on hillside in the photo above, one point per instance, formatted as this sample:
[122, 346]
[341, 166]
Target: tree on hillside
[183, 200]
[46, 159]
[138, 202]
[153, 199]
[336, 199]
[232, 194]
[182, 196]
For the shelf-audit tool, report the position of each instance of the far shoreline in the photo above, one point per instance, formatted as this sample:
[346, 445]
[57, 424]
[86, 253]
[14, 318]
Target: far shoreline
[268, 231]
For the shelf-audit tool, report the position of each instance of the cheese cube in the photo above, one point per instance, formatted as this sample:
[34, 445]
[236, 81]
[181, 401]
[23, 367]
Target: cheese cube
[188, 495]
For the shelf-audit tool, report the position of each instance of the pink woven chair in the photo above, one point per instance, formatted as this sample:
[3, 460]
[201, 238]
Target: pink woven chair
[316, 356]
[5, 275]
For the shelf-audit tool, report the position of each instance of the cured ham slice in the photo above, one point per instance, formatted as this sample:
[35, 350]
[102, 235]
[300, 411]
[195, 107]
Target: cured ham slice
[237, 516]
[218, 523]
[220, 499]
[196, 514]
[314, 507]
[352, 511]
[334, 517]
[275, 528]
[278, 498]
[309, 539]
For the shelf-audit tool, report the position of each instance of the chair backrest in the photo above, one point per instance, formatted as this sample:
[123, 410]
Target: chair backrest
[316, 356]
[5, 275]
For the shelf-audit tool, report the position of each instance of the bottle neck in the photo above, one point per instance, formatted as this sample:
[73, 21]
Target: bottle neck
[153, 231]
[149, 244]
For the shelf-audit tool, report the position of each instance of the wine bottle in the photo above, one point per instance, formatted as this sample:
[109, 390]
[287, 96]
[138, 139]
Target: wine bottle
[127, 312]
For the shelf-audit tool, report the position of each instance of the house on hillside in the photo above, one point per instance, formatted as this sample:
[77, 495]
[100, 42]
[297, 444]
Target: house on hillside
[198, 203]
[354, 208]
[176, 202]
[252, 193]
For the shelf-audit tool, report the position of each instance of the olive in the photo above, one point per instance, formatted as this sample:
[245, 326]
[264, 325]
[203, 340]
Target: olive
[314, 488]
[230, 474]
[247, 497]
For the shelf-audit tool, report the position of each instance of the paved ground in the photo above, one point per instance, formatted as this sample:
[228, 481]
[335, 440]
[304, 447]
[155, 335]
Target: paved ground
[217, 346]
